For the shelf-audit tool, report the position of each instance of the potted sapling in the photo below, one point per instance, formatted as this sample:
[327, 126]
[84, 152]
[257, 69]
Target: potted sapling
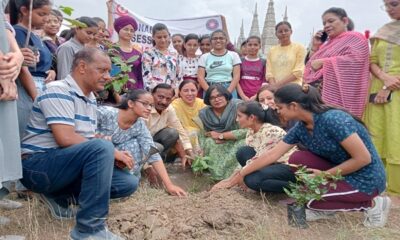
[307, 187]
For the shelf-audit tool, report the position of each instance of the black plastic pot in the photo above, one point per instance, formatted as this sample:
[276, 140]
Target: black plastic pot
[297, 216]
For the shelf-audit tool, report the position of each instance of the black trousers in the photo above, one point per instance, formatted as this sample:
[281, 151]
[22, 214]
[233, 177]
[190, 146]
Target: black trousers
[272, 178]
[167, 137]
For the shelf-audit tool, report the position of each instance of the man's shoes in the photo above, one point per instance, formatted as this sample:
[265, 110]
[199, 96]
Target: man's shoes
[9, 204]
[57, 211]
[313, 215]
[104, 234]
[377, 216]
[4, 221]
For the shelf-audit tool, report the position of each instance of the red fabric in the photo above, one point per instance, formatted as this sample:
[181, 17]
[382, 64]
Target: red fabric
[345, 72]
[342, 198]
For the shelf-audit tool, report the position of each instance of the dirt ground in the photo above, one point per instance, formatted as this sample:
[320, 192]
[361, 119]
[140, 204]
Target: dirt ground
[152, 214]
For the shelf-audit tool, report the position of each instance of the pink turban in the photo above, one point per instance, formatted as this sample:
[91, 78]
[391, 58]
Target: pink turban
[123, 21]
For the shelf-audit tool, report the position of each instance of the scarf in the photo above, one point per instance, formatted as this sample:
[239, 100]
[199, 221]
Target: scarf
[390, 32]
[227, 122]
[345, 71]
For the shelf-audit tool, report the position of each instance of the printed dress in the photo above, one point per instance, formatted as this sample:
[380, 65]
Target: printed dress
[136, 139]
[158, 67]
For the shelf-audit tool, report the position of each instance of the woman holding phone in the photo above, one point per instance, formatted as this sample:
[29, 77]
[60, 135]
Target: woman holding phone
[340, 66]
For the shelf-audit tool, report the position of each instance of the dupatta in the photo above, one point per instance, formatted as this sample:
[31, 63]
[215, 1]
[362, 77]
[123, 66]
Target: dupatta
[227, 122]
[390, 32]
[345, 72]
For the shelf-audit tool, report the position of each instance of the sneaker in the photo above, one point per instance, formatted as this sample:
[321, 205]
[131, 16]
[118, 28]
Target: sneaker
[57, 211]
[9, 204]
[104, 234]
[12, 237]
[377, 216]
[313, 215]
[4, 221]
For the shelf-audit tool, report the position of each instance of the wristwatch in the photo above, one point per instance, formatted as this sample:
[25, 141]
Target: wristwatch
[221, 136]
[384, 87]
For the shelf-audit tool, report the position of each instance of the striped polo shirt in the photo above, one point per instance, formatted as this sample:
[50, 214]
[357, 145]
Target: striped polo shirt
[62, 102]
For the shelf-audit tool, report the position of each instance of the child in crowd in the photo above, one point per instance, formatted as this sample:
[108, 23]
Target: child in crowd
[177, 42]
[205, 44]
[252, 70]
[32, 79]
[189, 63]
[159, 64]
[80, 37]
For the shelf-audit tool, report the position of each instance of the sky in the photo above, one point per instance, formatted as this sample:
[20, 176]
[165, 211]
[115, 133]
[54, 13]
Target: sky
[304, 15]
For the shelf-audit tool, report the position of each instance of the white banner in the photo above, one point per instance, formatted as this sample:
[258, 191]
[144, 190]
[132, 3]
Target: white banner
[143, 36]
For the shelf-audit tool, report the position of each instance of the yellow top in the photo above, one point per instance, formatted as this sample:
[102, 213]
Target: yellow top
[286, 60]
[188, 115]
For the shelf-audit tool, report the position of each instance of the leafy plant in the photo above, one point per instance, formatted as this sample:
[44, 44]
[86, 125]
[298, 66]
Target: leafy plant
[121, 69]
[309, 186]
[200, 164]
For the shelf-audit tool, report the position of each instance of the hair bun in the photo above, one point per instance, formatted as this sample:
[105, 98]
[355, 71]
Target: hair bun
[305, 88]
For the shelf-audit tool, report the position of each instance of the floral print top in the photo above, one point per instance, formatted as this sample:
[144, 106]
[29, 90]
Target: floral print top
[158, 67]
[265, 139]
[187, 68]
[136, 139]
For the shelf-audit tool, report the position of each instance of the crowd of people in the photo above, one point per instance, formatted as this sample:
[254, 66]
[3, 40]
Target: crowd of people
[331, 108]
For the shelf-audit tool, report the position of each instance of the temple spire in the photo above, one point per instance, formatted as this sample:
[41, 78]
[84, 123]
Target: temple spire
[241, 37]
[285, 17]
[255, 29]
[268, 34]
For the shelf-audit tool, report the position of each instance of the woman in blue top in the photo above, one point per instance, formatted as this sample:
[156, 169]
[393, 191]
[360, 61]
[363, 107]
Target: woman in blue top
[32, 79]
[125, 127]
[336, 141]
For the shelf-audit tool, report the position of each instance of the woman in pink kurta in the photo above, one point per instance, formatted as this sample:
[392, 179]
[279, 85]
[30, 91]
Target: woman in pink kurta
[340, 66]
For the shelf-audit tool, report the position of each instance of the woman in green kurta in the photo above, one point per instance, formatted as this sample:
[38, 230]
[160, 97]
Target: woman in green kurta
[222, 136]
[382, 115]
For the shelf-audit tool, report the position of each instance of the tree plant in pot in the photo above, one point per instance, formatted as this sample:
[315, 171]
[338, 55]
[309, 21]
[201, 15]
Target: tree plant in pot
[307, 187]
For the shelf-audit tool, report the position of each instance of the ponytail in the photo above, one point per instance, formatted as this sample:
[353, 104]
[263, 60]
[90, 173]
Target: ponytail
[308, 97]
[254, 108]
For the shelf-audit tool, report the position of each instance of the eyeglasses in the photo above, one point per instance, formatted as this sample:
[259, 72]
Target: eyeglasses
[218, 38]
[389, 5]
[213, 98]
[146, 104]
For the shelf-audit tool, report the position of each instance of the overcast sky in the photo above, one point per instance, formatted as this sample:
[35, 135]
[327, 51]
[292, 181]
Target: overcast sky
[304, 15]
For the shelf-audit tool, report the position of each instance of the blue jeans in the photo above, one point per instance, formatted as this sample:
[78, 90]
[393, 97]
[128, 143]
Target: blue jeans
[84, 171]
[272, 178]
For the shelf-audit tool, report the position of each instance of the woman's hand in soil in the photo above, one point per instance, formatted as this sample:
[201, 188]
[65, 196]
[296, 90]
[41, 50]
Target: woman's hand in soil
[176, 191]
[235, 179]
[186, 161]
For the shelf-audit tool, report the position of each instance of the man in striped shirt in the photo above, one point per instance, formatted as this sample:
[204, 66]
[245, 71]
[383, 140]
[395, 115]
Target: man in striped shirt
[61, 158]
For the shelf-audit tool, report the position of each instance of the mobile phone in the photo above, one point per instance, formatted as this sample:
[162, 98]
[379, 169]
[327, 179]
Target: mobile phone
[324, 37]
[373, 95]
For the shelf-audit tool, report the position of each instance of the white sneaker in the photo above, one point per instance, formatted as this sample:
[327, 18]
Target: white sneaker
[12, 237]
[378, 215]
[313, 215]
[9, 204]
